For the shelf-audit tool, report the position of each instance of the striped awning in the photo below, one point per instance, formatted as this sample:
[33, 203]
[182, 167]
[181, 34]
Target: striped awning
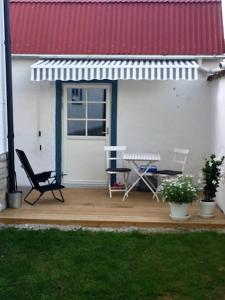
[76, 70]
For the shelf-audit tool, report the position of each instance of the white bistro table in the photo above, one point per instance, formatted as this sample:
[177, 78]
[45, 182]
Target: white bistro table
[147, 159]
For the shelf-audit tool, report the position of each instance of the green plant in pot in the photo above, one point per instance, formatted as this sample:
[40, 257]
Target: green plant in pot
[211, 173]
[179, 192]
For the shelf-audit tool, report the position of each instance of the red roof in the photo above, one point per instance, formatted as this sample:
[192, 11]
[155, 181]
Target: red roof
[112, 1]
[132, 27]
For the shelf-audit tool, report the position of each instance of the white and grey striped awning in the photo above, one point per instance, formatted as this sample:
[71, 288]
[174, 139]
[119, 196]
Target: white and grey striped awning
[75, 70]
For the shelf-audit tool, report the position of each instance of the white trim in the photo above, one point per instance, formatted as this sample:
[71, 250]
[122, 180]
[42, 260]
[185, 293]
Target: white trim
[76, 70]
[84, 184]
[88, 56]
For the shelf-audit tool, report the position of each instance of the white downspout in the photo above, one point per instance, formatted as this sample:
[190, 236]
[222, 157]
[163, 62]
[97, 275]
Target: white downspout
[209, 70]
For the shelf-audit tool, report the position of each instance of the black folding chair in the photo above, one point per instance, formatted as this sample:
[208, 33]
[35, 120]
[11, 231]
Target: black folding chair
[37, 180]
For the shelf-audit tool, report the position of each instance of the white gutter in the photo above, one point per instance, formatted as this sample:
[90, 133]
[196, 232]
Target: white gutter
[150, 57]
[204, 69]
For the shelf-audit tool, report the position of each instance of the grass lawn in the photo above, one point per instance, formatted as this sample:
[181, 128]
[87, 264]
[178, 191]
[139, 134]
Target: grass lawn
[53, 264]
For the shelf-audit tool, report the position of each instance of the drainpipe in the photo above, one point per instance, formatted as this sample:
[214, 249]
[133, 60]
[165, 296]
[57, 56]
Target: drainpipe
[14, 197]
[209, 70]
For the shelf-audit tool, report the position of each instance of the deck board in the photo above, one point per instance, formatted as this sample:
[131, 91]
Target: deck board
[93, 207]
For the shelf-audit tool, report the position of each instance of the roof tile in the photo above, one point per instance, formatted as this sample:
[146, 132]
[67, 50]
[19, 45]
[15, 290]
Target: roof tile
[147, 28]
[114, 1]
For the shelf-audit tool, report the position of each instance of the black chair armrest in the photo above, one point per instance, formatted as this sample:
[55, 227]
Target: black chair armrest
[44, 176]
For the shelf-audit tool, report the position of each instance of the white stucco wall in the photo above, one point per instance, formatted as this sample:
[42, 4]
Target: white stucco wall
[34, 110]
[153, 116]
[157, 116]
[3, 146]
[218, 129]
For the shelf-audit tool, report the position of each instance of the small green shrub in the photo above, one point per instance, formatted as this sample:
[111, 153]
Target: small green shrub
[211, 176]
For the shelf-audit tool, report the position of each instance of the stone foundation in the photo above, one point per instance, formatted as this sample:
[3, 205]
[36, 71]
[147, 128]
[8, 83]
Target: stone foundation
[3, 180]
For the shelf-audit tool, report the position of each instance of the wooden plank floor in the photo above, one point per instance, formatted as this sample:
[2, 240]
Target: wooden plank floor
[93, 207]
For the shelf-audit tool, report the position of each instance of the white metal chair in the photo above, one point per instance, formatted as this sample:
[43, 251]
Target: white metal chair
[179, 163]
[115, 166]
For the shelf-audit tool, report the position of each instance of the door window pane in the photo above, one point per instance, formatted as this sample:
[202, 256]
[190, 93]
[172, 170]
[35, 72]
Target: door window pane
[76, 110]
[76, 128]
[96, 110]
[97, 95]
[75, 95]
[96, 128]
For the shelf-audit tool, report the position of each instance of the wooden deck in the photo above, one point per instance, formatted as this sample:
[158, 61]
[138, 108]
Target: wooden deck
[93, 208]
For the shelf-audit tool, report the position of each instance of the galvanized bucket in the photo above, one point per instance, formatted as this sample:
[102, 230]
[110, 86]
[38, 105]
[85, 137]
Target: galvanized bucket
[15, 199]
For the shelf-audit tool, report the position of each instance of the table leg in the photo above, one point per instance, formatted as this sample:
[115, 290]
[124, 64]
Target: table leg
[150, 186]
[130, 188]
[141, 175]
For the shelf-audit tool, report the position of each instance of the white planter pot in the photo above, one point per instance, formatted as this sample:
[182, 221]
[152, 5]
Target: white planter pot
[179, 211]
[206, 209]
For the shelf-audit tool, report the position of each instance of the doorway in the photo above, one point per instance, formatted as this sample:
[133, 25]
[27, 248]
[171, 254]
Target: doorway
[85, 132]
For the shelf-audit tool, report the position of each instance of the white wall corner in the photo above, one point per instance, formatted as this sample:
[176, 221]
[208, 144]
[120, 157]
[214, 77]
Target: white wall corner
[217, 129]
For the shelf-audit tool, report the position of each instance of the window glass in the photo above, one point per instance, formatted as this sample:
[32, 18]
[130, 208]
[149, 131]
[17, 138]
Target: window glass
[96, 110]
[76, 128]
[96, 128]
[75, 95]
[76, 110]
[97, 95]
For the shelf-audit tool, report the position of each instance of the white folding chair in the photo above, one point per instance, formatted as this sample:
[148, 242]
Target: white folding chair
[115, 166]
[179, 163]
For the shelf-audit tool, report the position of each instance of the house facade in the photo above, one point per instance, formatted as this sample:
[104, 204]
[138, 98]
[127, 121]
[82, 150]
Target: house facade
[3, 132]
[93, 73]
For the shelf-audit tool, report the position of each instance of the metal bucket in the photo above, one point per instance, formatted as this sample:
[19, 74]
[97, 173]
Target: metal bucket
[15, 199]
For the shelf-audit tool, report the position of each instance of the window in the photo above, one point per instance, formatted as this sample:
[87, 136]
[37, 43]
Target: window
[86, 112]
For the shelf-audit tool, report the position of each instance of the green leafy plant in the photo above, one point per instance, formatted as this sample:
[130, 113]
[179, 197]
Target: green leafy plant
[178, 190]
[211, 177]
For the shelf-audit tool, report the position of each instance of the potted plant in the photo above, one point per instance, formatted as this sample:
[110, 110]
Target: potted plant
[211, 173]
[179, 192]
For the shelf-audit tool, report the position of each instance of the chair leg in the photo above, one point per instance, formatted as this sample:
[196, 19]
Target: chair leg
[109, 185]
[32, 203]
[125, 178]
[62, 198]
[61, 194]
[28, 195]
